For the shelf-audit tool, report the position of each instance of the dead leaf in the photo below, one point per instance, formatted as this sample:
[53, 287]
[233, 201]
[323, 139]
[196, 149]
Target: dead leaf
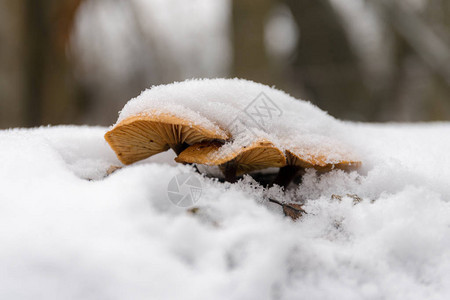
[292, 210]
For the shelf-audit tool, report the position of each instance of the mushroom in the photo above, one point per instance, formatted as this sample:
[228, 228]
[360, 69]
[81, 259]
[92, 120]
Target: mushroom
[323, 158]
[234, 162]
[140, 136]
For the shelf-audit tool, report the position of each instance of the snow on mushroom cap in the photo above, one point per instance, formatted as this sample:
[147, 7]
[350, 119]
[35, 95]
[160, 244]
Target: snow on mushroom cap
[226, 103]
[249, 111]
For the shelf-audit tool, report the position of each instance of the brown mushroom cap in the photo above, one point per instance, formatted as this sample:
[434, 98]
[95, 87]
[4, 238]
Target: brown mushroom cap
[256, 156]
[141, 136]
[321, 153]
[320, 159]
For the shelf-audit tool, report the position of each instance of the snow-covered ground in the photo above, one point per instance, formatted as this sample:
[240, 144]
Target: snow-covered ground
[69, 232]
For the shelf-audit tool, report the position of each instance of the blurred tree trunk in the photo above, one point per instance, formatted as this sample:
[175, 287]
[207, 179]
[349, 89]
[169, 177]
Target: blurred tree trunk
[420, 85]
[249, 53]
[326, 65]
[49, 86]
[11, 72]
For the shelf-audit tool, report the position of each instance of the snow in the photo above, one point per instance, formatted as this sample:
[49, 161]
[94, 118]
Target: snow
[68, 231]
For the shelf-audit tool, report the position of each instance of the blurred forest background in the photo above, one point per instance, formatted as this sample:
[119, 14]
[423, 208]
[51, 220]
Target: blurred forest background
[80, 61]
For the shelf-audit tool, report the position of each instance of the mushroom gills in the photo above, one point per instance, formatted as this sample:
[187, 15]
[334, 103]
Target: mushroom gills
[141, 136]
[259, 155]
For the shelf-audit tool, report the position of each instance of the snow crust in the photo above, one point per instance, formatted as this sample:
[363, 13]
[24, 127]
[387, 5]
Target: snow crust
[68, 232]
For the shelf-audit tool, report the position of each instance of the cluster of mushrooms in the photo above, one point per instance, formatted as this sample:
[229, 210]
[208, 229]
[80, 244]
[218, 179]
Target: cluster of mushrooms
[143, 135]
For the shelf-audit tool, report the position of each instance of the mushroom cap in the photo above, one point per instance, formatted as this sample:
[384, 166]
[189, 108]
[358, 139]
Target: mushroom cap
[258, 155]
[140, 136]
[322, 158]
